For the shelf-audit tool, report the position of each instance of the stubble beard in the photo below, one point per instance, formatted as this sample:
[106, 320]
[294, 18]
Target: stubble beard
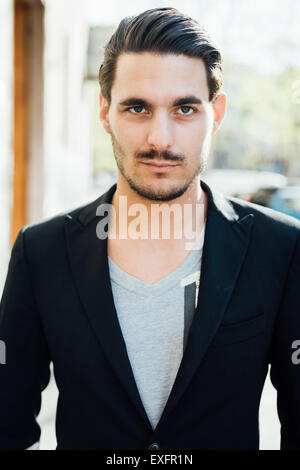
[148, 192]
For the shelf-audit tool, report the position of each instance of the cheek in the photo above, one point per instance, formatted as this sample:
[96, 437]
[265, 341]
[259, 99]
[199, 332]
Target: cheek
[206, 123]
[127, 134]
[193, 135]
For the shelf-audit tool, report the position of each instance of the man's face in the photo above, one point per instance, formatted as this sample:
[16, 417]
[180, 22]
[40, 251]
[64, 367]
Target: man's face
[160, 121]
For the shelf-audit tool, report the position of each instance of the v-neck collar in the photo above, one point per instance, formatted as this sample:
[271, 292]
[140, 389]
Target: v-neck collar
[131, 283]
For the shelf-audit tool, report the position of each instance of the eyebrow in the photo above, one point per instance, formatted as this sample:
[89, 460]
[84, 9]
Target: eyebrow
[134, 101]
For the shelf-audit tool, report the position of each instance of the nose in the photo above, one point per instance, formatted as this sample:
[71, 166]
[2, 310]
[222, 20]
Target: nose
[160, 135]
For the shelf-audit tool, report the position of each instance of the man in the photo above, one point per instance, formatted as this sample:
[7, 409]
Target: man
[144, 357]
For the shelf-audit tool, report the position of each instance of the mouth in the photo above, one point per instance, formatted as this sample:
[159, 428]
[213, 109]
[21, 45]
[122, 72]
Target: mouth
[160, 166]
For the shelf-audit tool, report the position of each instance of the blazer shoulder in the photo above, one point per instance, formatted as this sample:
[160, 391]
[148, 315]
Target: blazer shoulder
[55, 224]
[52, 228]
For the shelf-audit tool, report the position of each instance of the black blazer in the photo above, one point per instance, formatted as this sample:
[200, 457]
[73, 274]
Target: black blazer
[57, 305]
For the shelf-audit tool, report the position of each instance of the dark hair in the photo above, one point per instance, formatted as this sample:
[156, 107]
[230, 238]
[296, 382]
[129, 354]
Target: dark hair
[161, 31]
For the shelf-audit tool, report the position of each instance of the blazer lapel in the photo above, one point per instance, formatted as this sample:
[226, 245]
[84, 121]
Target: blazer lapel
[89, 265]
[225, 246]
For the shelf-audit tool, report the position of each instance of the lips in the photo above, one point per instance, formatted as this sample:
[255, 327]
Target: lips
[159, 167]
[160, 164]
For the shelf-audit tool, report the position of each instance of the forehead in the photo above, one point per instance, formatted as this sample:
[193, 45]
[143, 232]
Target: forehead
[159, 77]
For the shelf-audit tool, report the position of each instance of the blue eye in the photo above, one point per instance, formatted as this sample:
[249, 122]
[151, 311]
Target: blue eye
[186, 109]
[137, 109]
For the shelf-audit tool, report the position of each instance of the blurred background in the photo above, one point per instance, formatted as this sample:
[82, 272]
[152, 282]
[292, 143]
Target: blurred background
[54, 154]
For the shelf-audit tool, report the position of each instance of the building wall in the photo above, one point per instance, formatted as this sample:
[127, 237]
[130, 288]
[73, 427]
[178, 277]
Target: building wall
[6, 152]
[67, 166]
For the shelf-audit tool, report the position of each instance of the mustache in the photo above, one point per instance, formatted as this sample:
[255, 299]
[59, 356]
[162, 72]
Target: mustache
[165, 155]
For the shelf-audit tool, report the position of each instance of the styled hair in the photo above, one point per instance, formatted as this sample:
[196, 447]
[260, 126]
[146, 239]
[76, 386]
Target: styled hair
[161, 31]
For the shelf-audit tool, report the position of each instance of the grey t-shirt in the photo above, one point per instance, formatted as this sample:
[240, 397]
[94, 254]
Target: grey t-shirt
[155, 321]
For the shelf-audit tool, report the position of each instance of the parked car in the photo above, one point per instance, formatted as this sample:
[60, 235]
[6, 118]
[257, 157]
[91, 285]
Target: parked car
[243, 183]
[287, 200]
[263, 196]
[265, 193]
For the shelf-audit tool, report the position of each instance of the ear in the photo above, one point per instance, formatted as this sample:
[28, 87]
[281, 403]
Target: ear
[103, 114]
[219, 108]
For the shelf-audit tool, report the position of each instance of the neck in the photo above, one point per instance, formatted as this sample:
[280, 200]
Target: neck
[192, 205]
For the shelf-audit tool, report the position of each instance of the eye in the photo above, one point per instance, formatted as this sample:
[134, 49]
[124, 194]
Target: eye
[136, 109]
[186, 110]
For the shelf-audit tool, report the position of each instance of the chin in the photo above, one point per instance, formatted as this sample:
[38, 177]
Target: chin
[160, 193]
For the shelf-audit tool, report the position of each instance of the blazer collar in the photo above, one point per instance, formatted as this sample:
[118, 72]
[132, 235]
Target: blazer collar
[225, 245]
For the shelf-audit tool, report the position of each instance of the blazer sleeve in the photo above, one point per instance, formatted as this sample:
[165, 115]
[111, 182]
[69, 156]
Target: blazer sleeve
[26, 370]
[285, 371]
